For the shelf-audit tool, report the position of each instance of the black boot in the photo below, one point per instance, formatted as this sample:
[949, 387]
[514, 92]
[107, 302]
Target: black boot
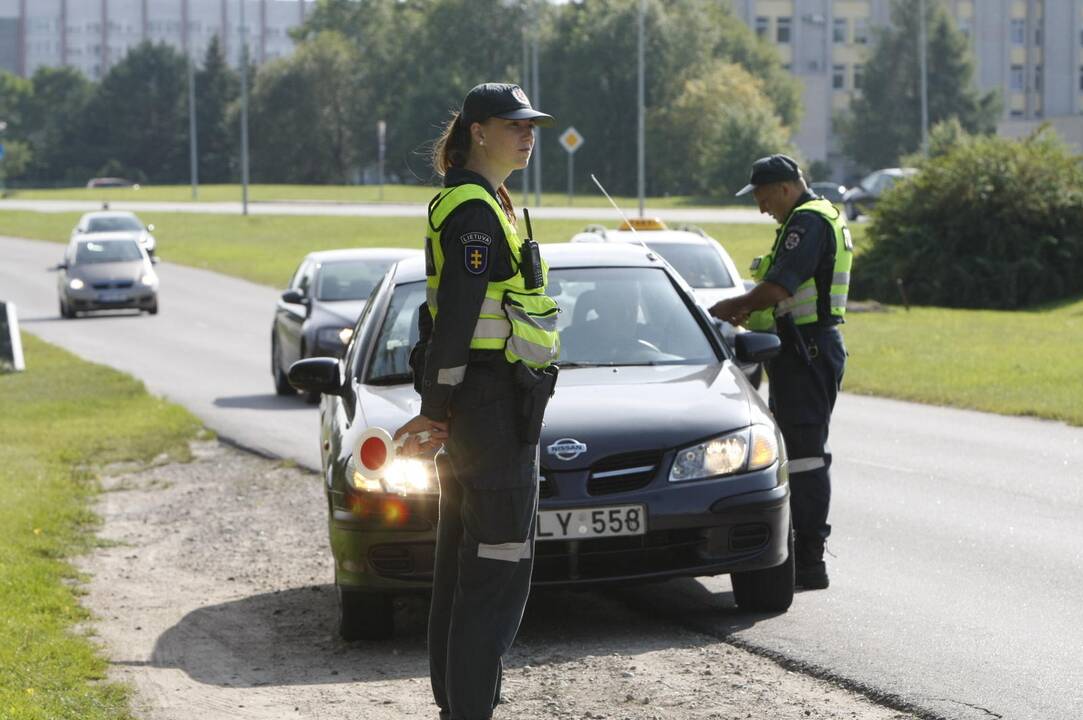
[811, 572]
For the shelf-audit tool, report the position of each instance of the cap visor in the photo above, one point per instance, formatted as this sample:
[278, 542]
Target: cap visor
[745, 190]
[527, 114]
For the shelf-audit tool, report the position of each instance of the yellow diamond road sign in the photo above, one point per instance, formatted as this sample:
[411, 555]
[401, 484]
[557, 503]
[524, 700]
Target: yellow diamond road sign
[571, 140]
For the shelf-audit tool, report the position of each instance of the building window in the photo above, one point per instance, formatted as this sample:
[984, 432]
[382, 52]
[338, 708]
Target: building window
[1018, 31]
[1081, 78]
[839, 31]
[763, 26]
[1017, 113]
[782, 29]
[838, 76]
[1038, 78]
[861, 31]
[1015, 77]
[859, 76]
[787, 67]
[1038, 36]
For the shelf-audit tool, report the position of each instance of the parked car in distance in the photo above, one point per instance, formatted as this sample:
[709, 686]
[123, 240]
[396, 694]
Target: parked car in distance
[316, 314]
[116, 223]
[862, 198]
[106, 272]
[830, 191]
[109, 182]
[700, 259]
[657, 459]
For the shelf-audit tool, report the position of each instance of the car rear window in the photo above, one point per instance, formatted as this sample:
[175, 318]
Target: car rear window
[113, 224]
[107, 251]
[349, 279]
[699, 265]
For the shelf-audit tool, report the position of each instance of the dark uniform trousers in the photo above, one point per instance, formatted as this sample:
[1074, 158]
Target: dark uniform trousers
[485, 542]
[802, 398]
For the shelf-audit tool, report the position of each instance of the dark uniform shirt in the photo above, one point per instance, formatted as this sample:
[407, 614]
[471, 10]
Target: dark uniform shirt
[461, 292]
[807, 250]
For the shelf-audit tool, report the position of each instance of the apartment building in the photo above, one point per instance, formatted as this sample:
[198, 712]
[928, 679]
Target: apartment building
[1030, 51]
[93, 35]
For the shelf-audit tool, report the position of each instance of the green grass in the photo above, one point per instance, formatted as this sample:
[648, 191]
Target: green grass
[1006, 362]
[334, 193]
[62, 419]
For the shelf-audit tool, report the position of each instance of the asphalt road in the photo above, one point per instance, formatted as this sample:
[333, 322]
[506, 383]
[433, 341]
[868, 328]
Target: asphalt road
[676, 215]
[957, 576]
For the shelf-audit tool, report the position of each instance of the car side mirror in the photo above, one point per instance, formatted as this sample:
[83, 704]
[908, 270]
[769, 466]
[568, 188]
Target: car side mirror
[150, 228]
[294, 297]
[756, 347]
[61, 266]
[322, 375]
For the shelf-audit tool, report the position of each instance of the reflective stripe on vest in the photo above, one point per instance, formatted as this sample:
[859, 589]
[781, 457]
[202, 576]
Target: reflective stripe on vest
[802, 305]
[512, 318]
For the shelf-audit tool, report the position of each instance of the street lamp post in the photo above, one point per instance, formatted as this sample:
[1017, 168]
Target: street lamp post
[244, 114]
[641, 133]
[924, 80]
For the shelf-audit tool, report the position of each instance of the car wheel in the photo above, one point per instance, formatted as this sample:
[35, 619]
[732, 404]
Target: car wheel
[66, 311]
[153, 309]
[282, 381]
[365, 616]
[769, 590]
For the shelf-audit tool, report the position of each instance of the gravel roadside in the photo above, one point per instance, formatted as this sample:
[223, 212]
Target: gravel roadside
[212, 597]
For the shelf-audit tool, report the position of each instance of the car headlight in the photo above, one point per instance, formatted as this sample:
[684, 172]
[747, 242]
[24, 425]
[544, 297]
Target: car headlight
[148, 280]
[404, 476]
[76, 284]
[752, 448]
[334, 336]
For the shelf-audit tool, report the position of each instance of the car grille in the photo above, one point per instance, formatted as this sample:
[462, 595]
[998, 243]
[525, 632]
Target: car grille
[111, 284]
[546, 488]
[623, 473]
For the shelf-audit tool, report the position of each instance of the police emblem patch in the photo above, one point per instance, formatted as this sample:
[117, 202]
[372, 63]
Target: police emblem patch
[518, 94]
[476, 256]
[792, 240]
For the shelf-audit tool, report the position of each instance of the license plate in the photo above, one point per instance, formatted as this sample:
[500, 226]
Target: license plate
[113, 296]
[580, 523]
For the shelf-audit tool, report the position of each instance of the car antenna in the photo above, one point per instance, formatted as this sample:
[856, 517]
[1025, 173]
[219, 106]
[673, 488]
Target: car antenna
[620, 212]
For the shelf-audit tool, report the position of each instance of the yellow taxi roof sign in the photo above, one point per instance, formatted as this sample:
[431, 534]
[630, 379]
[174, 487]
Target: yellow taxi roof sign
[643, 224]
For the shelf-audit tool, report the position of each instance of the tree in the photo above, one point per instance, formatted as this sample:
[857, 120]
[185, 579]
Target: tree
[217, 87]
[713, 131]
[885, 119]
[137, 120]
[54, 117]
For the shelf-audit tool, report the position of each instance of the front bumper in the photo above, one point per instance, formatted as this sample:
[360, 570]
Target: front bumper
[700, 528]
[134, 297]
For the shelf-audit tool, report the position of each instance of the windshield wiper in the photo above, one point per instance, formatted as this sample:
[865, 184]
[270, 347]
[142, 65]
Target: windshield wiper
[396, 379]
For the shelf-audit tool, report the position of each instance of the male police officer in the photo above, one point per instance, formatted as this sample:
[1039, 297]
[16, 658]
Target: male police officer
[801, 292]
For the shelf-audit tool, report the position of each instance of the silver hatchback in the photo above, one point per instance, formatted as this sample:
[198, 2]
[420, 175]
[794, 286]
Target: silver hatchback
[106, 273]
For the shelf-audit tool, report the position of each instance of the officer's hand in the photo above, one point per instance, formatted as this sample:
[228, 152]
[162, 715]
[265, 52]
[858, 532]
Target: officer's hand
[413, 446]
[730, 311]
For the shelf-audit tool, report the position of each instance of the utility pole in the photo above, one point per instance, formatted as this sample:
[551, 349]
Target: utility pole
[527, 89]
[924, 80]
[244, 114]
[193, 150]
[536, 99]
[641, 133]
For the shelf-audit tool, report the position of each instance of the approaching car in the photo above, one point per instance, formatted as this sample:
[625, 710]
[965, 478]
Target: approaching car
[106, 272]
[862, 198]
[700, 259]
[829, 191]
[315, 316]
[116, 223]
[658, 459]
[109, 182]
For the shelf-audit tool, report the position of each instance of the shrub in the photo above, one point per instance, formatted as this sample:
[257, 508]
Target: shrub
[987, 223]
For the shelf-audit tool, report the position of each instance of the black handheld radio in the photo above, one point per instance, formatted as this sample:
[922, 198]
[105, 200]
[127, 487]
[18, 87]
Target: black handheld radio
[530, 264]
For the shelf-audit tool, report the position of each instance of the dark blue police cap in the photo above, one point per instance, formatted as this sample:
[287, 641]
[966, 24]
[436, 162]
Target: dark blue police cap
[771, 169]
[502, 100]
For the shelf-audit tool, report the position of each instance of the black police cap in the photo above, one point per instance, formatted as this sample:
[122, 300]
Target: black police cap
[502, 100]
[771, 169]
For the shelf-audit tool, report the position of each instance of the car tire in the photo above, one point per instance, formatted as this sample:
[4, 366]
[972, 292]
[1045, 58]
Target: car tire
[281, 380]
[768, 590]
[365, 616]
[153, 309]
[66, 311]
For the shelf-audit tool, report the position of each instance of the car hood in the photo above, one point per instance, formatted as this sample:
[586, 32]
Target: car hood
[612, 411]
[100, 272]
[339, 311]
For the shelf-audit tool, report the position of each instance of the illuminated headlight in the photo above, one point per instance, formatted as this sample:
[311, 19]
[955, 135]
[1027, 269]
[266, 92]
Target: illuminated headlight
[76, 284]
[405, 476]
[752, 448]
[335, 336]
[148, 280]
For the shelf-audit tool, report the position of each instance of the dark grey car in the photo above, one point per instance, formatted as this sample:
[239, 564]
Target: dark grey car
[106, 272]
[658, 459]
[316, 314]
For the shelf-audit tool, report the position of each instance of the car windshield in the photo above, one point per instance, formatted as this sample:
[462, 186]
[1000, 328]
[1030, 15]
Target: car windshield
[349, 279]
[699, 265]
[104, 251]
[609, 316]
[119, 223]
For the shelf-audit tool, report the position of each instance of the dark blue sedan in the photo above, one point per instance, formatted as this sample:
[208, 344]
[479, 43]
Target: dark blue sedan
[658, 459]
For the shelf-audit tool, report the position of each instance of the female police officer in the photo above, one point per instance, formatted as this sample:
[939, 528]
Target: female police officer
[491, 337]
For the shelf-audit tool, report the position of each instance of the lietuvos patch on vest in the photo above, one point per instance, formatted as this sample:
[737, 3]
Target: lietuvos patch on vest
[475, 237]
[792, 240]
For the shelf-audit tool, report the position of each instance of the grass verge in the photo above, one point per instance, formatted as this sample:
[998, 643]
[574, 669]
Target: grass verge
[62, 419]
[1006, 362]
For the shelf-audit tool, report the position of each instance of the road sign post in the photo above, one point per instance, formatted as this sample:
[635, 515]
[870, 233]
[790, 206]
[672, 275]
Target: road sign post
[11, 348]
[571, 141]
[381, 146]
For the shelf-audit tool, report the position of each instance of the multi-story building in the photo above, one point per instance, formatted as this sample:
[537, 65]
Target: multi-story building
[1030, 51]
[93, 35]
